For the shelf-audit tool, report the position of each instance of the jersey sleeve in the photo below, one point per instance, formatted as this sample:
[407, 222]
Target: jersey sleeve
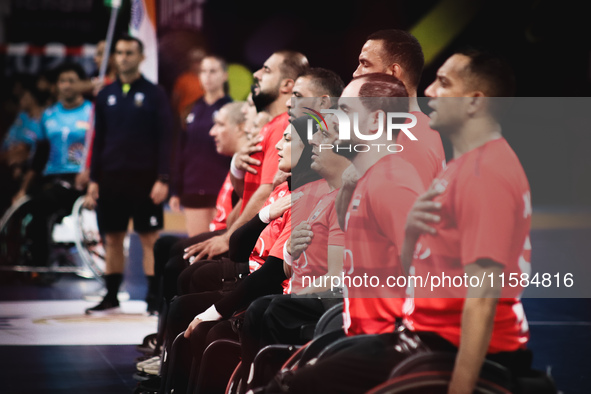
[486, 214]
[270, 161]
[277, 248]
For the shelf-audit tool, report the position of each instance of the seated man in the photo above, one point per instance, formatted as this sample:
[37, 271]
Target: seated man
[59, 157]
[19, 145]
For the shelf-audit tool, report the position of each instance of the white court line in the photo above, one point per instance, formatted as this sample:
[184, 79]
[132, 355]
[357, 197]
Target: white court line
[64, 323]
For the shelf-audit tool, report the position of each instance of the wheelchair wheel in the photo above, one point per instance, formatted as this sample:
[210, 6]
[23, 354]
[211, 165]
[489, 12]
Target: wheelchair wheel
[88, 240]
[14, 243]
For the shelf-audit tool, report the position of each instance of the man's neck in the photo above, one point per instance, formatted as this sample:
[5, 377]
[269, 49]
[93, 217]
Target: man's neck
[335, 177]
[240, 142]
[212, 97]
[75, 103]
[473, 135]
[277, 107]
[129, 77]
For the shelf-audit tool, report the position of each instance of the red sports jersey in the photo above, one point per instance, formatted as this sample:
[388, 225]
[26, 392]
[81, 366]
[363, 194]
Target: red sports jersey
[223, 206]
[272, 132]
[324, 223]
[485, 214]
[426, 153]
[270, 234]
[374, 233]
[311, 193]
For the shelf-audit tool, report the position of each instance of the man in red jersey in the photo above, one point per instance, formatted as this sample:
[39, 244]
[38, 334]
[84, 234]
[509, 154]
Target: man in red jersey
[398, 53]
[375, 218]
[273, 85]
[478, 224]
[374, 233]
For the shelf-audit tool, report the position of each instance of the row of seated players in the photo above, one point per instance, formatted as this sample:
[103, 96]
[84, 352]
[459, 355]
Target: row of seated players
[210, 293]
[278, 319]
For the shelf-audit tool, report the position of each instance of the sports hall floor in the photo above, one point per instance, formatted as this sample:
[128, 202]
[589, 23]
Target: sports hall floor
[47, 345]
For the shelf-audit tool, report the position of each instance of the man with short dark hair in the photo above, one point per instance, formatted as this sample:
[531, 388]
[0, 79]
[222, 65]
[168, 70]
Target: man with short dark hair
[318, 88]
[474, 221]
[399, 53]
[273, 85]
[130, 165]
[59, 157]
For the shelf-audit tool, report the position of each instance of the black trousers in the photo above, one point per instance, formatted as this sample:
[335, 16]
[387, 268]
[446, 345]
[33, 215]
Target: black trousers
[52, 201]
[368, 363]
[278, 319]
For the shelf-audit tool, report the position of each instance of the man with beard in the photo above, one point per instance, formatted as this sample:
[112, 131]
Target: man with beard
[273, 86]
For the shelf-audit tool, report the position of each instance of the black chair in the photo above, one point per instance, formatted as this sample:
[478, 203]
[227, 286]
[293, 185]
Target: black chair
[281, 358]
[219, 361]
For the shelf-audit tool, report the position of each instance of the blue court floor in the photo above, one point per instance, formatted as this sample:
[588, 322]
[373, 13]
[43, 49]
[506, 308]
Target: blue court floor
[560, 331]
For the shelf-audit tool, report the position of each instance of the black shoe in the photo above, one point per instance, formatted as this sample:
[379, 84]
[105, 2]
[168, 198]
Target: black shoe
[106, 307]
[149, 345]
[152, 308]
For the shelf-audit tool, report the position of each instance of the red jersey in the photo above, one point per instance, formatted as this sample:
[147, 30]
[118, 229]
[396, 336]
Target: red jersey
[223, 206]
[485, 214]
[271, 233]
[324, 223]
[426, 154]
[374, 233]
[272, 132]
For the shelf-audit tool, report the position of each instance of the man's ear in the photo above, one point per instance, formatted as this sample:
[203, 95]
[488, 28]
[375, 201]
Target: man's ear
[325, 102]
[477, 102]
[376, 120]
[286, 86]
[395, 70]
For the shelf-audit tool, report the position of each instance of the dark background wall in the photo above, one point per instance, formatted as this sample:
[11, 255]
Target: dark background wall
[548, 44]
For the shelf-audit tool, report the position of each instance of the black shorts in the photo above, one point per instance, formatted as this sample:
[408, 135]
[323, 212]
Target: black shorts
[127, 195]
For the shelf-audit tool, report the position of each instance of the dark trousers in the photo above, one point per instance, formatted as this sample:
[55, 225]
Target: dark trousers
[182, 311]
[369, 362]
[277, 319]
[50, 203]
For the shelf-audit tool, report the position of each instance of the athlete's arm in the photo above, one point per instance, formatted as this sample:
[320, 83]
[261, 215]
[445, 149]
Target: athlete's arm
[418, 222]
[477, 326]
[345, 193]
[234, 214]
[221, 243]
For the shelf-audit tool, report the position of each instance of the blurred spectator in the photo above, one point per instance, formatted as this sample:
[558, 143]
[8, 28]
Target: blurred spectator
[95, 84]
[200, 171]
[59, 157]
[187, 88]
[20, 142]
[47, 83]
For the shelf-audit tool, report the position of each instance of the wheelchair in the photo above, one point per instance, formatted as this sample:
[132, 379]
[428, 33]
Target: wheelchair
[76, 244]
